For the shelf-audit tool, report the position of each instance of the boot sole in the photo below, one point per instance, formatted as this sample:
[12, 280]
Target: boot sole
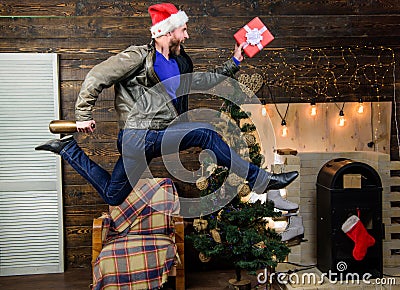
[295, 241]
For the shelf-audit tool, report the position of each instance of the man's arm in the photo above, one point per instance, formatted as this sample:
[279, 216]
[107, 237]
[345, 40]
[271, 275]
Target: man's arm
[238, 53]
[102, 76]
[217, 75]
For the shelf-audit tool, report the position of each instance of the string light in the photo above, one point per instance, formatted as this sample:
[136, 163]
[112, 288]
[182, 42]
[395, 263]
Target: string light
[355, 69]
[263, 108]
[326, 79]
[341, 120]
[313, 109]
[263, 111]
[360, 107]
[284, 131]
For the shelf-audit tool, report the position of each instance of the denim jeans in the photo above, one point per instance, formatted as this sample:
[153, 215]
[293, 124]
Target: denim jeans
[139, 147]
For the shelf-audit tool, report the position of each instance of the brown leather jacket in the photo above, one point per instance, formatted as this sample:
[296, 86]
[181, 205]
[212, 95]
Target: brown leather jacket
[141, 101]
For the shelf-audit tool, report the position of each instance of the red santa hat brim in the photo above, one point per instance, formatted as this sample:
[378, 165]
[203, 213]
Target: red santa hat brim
[169, 24]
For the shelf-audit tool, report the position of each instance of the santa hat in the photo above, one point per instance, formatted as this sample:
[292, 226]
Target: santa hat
[165, 18]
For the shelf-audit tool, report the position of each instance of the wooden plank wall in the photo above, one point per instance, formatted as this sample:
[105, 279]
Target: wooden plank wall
[84, 32]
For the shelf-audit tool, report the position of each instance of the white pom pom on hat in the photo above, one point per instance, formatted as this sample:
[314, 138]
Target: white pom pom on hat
[165, 18]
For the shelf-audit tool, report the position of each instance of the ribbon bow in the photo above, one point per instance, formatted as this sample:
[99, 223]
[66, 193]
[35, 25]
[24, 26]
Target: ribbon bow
[254, 36]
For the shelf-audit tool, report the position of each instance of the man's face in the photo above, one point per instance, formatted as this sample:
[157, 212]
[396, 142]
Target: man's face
[178, 36]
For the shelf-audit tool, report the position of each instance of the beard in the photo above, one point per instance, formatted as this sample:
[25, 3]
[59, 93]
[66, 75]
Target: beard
[175, 46]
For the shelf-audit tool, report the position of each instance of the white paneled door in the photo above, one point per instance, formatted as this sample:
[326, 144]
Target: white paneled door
[31, 224]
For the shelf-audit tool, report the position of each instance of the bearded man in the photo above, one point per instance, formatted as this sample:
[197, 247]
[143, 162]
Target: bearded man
[151, 84]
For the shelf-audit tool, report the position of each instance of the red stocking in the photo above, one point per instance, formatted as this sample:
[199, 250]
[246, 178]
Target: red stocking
[354, 228]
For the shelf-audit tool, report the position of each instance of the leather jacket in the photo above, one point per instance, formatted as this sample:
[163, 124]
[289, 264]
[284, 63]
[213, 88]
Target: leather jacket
[141, 100]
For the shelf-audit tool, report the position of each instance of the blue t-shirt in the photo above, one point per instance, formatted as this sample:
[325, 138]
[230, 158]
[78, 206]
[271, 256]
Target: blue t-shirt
[167, 71]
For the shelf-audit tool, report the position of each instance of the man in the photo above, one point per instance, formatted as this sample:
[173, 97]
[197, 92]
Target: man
[146, 111]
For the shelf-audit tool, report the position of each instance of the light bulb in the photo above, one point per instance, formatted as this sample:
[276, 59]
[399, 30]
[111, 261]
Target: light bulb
[263, 111]
[360, 108]
[313, 111]
[284, 131]
[341, 119]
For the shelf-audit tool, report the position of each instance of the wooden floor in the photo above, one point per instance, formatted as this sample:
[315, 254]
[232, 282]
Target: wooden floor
[80, 279]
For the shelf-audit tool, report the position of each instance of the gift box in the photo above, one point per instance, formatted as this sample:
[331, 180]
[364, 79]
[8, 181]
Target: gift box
[255, 34]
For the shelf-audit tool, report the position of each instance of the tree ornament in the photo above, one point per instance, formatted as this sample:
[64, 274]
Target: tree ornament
[260, 245]
[243, 190]
[245, 199]
[219, 214]
[250, 139]
[203, 258]
[216, 236]
[202, 183]
[200, 224]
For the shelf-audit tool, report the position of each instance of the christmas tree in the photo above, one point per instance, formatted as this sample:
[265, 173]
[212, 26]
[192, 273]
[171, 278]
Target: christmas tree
[239, 231]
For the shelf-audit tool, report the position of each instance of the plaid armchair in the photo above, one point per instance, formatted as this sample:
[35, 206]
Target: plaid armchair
[139, 244]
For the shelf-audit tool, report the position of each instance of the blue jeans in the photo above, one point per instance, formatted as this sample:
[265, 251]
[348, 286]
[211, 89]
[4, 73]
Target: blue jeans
[139, 147]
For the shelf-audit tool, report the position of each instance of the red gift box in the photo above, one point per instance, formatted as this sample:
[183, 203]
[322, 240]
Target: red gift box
[255, 35]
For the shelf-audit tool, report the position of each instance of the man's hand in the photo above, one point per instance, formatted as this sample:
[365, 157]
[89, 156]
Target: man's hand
[238, 53]
[86, 126]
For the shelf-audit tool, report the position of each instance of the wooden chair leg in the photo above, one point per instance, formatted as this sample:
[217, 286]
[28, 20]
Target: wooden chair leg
[97, 239]
[180, 244]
